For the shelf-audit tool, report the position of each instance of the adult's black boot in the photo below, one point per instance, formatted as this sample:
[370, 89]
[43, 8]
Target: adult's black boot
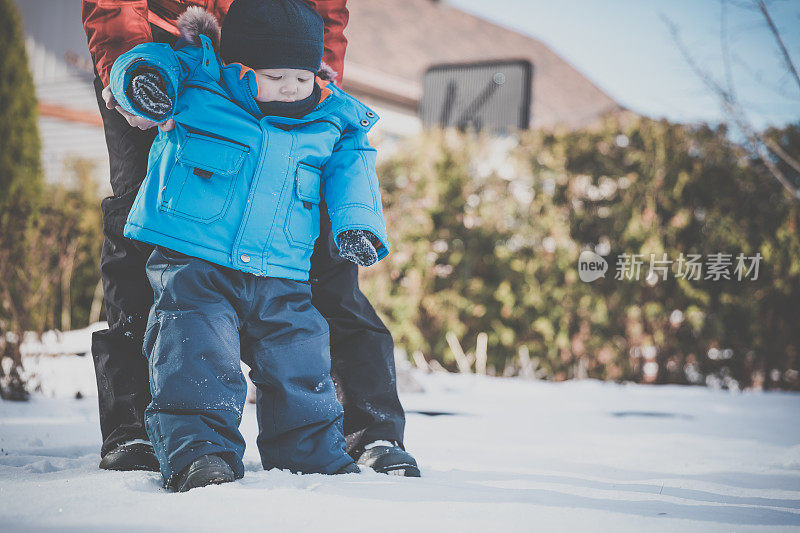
[131, 456]
[387, 457]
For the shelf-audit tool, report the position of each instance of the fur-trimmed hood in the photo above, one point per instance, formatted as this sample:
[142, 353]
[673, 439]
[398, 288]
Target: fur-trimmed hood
[196, 21]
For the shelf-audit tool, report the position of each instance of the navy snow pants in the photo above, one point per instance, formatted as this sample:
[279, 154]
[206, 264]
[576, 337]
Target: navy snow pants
[204, 320]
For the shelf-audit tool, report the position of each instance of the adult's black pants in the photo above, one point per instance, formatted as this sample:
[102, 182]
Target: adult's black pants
[361, 346]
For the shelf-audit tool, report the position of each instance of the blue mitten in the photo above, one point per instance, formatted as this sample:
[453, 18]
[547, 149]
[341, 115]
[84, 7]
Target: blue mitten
[358, 246]
[148, 92]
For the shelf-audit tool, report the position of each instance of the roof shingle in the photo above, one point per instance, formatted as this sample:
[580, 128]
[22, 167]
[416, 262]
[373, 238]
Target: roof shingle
[403, 38]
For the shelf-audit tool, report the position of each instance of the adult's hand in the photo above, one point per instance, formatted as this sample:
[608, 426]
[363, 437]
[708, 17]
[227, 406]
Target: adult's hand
[133, 120]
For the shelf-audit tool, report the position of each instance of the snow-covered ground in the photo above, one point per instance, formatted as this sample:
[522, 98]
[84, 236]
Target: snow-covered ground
[496, 455]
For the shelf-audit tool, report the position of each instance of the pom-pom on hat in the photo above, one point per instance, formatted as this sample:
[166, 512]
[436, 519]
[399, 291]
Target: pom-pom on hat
[272, 34]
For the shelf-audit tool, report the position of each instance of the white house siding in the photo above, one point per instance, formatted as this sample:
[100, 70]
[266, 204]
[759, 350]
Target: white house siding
[63, 140]
[61, 67]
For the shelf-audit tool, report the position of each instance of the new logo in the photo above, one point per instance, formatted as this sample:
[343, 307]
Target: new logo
[591, 266]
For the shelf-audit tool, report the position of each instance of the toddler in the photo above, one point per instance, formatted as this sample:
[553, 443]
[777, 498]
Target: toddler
[231, 202]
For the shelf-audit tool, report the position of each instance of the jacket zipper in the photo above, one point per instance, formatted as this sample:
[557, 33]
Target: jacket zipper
[289, 127]
[215, 136]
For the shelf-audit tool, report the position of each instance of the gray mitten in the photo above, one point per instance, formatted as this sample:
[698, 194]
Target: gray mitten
[358, 246]
[148, 92]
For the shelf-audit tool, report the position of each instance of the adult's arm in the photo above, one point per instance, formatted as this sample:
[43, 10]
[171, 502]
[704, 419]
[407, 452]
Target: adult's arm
[112, 28]
[335, 15]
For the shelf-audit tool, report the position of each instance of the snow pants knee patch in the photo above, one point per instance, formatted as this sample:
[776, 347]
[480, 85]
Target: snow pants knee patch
[194, 362]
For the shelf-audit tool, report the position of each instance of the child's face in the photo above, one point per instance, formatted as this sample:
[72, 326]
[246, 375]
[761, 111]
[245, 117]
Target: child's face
[283, 84]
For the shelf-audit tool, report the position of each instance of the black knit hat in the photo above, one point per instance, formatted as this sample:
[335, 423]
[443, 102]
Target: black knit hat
[272, 34]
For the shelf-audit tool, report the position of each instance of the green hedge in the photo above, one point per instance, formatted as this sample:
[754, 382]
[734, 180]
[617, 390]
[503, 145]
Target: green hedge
[486, 233]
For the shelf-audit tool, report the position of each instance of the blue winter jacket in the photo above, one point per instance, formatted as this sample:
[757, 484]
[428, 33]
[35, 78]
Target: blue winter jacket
[239, 189]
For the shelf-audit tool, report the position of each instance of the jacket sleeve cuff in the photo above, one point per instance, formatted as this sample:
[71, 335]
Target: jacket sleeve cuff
[143, 56]
[357, 216]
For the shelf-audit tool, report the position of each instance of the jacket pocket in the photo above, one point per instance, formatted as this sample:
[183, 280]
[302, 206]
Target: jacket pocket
[202, 181]
[302, 219]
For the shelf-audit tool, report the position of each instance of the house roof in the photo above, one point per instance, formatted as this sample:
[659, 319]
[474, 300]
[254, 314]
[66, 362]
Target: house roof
[393, 42]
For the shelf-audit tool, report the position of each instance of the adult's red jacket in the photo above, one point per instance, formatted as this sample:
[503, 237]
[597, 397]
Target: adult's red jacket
[115, 26]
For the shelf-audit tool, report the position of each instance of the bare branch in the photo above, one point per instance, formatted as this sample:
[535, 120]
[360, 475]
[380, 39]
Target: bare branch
[704, 76]
[780, 152]
[759, 142]
[776, 34]
[760, 146]
[758, 75]
[726, 50]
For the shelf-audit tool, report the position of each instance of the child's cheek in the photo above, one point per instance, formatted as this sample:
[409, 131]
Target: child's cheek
[261, 90]
[264, 94]
[302, 93]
